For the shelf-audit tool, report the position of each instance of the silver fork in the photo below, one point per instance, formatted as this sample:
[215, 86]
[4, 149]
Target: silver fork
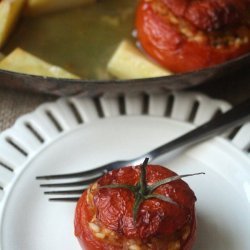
[230, 119]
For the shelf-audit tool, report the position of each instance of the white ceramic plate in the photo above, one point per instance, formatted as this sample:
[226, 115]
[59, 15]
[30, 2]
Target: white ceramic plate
[76, 134]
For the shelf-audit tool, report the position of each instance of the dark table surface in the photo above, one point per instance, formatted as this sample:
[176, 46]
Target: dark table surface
[233, 89]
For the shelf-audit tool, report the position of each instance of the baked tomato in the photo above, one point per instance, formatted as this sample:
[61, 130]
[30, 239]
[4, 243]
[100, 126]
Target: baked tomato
[109, 217]
[187, 35]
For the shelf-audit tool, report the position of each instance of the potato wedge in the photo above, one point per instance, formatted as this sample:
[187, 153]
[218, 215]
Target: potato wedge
[38, 7]
[9, 13]
[129, 63]
[23, 62]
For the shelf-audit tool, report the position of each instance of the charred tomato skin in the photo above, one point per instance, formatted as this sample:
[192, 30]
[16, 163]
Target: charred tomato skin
[184, 36]
[113, 210]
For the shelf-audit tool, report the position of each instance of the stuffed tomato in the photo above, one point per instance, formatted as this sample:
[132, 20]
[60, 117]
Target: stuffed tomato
[137, 208]
[187, 35]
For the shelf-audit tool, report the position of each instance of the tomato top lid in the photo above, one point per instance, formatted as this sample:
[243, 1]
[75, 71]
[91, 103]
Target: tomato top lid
[144, 200]
[210, 15]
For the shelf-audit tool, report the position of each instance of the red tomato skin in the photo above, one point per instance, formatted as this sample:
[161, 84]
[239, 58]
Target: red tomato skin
[89, 242]
[164, 42]
[85, 212]
[209, 15]
[192, 237]
[85, 236]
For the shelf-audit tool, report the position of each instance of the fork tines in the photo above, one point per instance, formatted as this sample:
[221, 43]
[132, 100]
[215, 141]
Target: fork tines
[77, 192]
[81, 183]
[88, 174]
[71, 190]
[68, 199]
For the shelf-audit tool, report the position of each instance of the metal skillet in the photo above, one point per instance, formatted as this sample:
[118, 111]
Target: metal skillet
[66, 87]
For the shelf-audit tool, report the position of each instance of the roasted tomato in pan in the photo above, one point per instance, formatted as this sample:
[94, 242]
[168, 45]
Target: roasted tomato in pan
[145, 207]
[187, 35]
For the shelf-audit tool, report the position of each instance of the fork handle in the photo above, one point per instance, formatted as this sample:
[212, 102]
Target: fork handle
[232, 118]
